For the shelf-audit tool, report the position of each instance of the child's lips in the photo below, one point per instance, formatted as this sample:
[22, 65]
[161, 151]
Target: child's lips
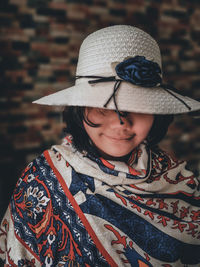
[120, 138]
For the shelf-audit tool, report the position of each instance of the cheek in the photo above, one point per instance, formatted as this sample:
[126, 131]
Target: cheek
[144, 126]
[93, 132]
[94, 116]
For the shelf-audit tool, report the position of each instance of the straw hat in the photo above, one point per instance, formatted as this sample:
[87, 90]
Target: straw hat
[119, 67]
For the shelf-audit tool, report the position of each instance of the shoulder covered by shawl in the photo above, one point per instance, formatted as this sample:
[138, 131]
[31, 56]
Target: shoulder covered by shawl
[19, 232]
[173, 171]
[31, 223]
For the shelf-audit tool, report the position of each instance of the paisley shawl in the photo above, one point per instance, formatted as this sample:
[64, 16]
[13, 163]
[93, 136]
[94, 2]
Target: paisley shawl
[74, 209]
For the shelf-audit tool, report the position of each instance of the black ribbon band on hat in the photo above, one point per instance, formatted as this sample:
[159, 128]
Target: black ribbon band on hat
[98, 79]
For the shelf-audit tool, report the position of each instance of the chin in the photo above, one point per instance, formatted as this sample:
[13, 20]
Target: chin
[115, 154]
[118, 155]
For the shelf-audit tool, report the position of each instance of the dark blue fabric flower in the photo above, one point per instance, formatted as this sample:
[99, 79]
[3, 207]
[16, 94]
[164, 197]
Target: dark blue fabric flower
[140, 71]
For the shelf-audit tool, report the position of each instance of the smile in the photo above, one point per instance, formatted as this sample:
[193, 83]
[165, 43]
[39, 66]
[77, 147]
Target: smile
[126, 138]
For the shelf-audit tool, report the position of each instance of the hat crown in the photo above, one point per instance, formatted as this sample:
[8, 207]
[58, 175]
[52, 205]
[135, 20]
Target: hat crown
[114, 44]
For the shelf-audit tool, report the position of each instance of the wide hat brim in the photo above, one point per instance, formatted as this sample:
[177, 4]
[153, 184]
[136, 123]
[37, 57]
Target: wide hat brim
[129, 97]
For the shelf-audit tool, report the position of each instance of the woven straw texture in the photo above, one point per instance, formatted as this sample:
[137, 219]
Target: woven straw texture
[97, 54]
[114, 44]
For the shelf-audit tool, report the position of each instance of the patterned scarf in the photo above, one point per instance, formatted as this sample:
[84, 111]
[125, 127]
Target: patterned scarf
[75, 209]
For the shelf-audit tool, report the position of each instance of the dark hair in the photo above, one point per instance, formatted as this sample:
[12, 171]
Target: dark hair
[74, 116]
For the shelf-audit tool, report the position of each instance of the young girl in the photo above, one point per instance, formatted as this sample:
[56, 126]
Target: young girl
[108, 196]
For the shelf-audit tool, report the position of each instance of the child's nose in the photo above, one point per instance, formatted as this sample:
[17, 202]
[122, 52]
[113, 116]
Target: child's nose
[124, 123]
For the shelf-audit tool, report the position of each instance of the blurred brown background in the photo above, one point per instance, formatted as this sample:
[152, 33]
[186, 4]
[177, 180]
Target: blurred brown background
[39, 47]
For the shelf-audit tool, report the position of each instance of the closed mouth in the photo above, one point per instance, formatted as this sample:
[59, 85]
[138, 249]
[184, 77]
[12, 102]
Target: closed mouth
[119, 138]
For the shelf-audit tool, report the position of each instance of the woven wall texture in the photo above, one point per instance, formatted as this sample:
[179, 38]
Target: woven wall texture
[39, 48]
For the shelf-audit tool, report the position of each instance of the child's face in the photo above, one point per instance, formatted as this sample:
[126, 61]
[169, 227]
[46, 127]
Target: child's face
[112, 139]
